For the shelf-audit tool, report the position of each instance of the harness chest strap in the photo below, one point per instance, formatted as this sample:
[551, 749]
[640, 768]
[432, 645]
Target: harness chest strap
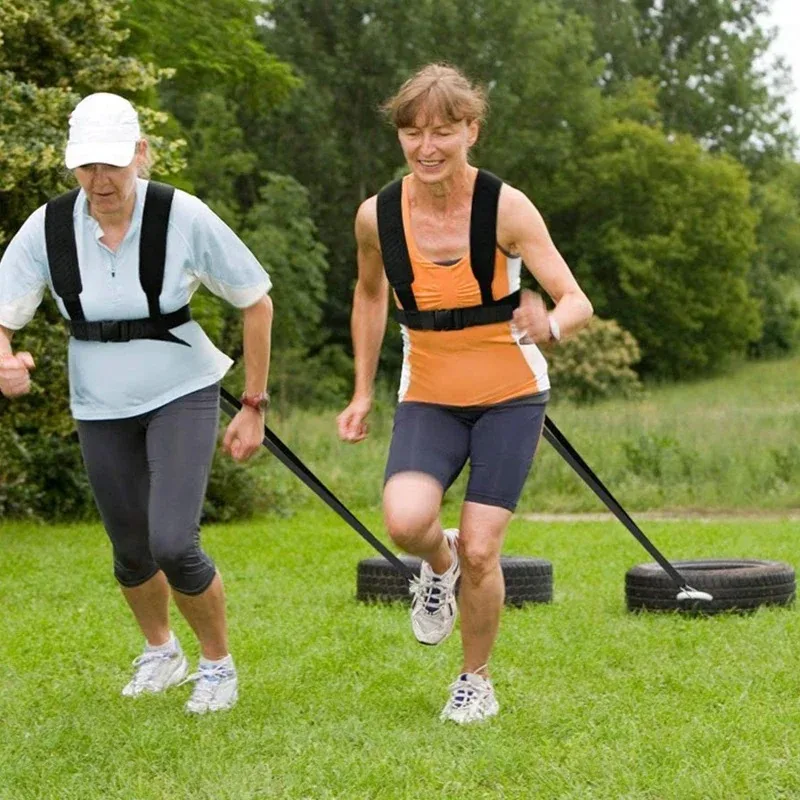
[62, 257]
[482, 245]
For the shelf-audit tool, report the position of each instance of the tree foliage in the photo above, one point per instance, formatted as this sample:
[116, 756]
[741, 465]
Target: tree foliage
[709, 61]
[664, 237]
[633, 125]
[51, 55]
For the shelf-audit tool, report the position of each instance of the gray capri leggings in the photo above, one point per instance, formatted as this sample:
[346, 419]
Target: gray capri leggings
[149, 475]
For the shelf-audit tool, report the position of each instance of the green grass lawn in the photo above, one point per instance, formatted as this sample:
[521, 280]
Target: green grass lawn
[338, 700]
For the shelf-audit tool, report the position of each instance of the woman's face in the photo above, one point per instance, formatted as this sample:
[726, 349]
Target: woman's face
[109, 189]
[435, 148]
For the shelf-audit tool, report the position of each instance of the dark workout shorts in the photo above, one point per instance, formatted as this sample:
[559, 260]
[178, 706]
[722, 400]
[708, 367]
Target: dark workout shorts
[499, 441]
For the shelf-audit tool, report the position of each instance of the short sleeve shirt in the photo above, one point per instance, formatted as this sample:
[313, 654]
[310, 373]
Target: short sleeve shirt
[112, 380]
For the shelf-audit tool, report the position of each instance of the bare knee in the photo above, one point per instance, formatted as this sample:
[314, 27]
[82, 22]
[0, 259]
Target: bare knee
[410, 508]
[406, 526]
[479, 560]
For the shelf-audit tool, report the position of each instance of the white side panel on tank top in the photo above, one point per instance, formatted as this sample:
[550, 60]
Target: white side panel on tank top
[405, 374]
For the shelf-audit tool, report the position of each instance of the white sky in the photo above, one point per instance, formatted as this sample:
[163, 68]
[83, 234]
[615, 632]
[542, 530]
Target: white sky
[785, 16]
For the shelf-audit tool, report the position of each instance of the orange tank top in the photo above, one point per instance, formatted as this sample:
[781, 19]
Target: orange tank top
[481, 365]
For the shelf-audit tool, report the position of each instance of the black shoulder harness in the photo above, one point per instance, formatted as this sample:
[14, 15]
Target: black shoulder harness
[62, 257]
[482, 246]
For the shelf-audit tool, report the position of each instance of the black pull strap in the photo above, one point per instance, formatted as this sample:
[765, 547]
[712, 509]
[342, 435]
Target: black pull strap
[230, 405]
[573, 458]
[394, 250]
[483, 231]
[62, 252]
[153, 242]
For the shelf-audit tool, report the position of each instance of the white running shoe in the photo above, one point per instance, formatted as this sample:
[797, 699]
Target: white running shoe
[216, 688]
[471, 700]
[155, 671]
[433, 598]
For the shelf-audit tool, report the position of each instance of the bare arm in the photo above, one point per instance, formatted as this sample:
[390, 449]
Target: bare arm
[257, 344]
[246, 431]
[522, 230]
[367, 322]
[370, 307]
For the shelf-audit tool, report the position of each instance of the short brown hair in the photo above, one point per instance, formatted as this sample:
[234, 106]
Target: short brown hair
[436, 90]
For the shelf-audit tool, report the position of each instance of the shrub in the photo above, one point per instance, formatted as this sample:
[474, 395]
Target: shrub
[595, 363]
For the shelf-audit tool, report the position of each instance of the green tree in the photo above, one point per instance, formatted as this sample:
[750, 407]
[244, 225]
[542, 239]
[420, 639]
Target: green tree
[709, 62]
[775, 274]
[221, 84]
[664, 238]
[50, 55]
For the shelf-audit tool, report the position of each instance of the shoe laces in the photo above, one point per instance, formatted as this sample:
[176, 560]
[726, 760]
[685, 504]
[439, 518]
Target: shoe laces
[147, 664]
[429, 592]
[207, 679]
[465, 693]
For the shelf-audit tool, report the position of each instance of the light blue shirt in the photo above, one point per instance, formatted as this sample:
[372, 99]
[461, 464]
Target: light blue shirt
[113, 380]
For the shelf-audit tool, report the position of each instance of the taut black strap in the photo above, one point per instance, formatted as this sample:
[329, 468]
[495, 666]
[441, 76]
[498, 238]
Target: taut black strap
[230, 405]
[394, 249]
[573, 458]
[483, 231]
[153, 242]
[62, 252]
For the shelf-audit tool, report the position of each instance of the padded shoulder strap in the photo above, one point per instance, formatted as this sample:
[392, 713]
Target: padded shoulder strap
[153, 242]
[483, 231]
[62, 253]
[394, 249]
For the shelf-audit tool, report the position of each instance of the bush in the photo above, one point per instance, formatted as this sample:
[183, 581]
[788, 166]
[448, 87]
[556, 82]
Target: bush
[779, 299]
[595, 363]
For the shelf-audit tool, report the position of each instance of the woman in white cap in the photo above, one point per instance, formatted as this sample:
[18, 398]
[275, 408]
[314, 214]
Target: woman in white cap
[122, 257]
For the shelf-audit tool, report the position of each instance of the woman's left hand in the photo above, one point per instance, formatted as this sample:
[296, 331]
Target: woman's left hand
[244, 434]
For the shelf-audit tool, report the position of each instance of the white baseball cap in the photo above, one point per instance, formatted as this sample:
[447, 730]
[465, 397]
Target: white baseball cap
[103, 129]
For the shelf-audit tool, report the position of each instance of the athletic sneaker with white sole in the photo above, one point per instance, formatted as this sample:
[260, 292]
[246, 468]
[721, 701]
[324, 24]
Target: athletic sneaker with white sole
[216, 688]
[433, 598]
[471, 700]
[156, 670]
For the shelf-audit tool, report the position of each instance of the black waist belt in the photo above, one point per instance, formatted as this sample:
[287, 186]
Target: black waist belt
[126, 329]
[455, 319]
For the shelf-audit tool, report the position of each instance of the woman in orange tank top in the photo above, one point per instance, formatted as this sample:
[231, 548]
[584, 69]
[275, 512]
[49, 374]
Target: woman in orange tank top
[474, 383]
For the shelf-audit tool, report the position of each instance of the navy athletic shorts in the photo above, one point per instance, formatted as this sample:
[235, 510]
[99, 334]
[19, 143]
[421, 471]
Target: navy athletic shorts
[499, 441]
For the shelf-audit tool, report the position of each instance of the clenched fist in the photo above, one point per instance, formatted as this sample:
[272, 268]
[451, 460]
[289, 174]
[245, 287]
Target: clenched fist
[531, 318]
[15, 377]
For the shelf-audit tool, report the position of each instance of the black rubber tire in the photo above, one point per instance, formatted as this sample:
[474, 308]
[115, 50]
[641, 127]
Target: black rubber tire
[735, 584]
[528, 580]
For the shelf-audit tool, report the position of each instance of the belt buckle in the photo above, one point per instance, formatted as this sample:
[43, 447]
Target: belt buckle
[442, 319]
[109, 331]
